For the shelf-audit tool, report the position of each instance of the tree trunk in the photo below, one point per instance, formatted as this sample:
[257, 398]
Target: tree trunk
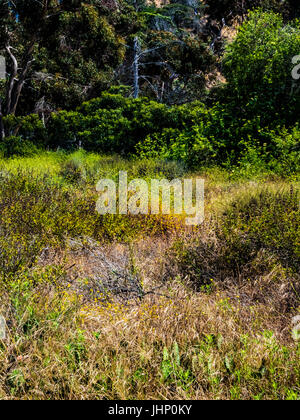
[16, 83]
[2, 131]
[136, 50]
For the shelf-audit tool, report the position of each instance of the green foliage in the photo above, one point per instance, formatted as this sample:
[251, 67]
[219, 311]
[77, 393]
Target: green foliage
[259, 229]
[172, 371]
[45, 206]
[258, 67]
[81, 49]
[29, 127]
[215, 343]
[77, 46]
[235, 277]
[113, 123]
[270, 220]
[192, 134]
[252, 125]
[17, 146]
[217, 136]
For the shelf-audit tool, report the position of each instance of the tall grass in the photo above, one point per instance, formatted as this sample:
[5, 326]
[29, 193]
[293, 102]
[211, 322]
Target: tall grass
[213, 316]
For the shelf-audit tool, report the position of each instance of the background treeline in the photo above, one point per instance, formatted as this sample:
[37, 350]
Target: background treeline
[203, 82]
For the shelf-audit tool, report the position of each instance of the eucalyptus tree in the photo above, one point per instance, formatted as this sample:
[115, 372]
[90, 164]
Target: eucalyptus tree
[169, 59]
[60, 52]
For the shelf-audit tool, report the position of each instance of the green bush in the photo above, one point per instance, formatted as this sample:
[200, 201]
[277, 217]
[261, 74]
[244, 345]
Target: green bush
[257, 234]
[268, 219]
[258, 67]
[63, 129]
[193, 134]
[217, 136]
[17, 146]
[29, 127]
[113, 123]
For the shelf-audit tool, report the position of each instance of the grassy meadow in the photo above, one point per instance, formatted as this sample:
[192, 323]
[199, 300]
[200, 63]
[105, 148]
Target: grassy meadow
[143, 307]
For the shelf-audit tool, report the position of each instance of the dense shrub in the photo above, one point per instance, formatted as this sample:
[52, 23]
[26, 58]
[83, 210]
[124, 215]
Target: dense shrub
[192, 133]
[268, 219]
[40, 206]
[258, 67]
[29, 127]
[113, 123]
[253, 245]
[17, 146]
[217, 136]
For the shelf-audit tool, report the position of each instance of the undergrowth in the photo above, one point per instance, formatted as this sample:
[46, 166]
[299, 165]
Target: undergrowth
[214, 315]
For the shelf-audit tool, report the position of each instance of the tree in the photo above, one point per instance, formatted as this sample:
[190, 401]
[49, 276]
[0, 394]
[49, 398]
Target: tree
[64, 51]
[169, 60]
[228, 10]
[27, 19]
[258, 66]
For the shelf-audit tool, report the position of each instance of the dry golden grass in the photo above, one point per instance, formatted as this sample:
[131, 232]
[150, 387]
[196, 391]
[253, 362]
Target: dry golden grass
[191, 319]
[184, 346]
